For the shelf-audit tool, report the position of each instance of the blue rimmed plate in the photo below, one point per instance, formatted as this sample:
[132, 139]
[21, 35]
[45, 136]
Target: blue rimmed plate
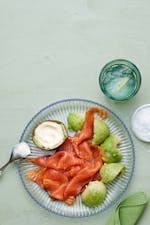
[115, 190]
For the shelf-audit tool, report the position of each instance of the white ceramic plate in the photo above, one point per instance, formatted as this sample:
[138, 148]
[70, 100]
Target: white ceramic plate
[115, 190]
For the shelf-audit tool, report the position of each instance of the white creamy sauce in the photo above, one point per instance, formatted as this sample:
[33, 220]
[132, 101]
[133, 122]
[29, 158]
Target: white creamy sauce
[22, 149]
[141, 123]
[49, 134]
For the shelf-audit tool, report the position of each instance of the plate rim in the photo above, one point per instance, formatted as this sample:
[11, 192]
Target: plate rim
[115, 201]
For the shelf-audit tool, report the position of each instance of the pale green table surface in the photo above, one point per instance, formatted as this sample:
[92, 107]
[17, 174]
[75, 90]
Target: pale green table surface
[51, 50]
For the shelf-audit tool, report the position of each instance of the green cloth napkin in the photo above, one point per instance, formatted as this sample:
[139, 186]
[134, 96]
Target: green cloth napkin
[129, 210]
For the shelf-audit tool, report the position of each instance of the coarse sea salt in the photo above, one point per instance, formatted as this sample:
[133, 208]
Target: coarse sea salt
[141, 123]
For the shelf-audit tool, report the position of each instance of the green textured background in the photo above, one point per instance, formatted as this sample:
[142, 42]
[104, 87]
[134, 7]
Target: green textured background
[51, 50]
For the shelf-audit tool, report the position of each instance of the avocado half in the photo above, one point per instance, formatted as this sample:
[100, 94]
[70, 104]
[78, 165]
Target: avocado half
[49, 134]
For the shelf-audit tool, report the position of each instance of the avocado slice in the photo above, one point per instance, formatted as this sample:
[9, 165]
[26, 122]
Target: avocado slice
[110, 171]
[94, 194]
[109, 150]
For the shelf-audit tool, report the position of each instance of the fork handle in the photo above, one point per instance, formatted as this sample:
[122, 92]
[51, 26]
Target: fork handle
[3, 167]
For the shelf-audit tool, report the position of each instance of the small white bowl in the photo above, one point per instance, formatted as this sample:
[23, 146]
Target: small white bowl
[140, 123]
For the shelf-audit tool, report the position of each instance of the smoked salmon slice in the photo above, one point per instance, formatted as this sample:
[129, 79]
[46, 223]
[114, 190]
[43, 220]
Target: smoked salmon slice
[75, 163]
[87, 127]
[83, 177]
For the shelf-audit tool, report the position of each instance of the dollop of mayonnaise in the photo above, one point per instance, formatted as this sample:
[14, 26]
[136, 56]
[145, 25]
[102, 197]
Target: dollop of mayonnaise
[22, 149]
[49, 134]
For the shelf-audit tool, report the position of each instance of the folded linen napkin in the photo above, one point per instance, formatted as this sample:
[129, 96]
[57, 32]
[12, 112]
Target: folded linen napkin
[129, 210]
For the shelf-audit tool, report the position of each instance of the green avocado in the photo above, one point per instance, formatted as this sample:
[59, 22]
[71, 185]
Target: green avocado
[75, 121]
[94, 194]
[110, 171]
[101, 132]
[110, 153]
